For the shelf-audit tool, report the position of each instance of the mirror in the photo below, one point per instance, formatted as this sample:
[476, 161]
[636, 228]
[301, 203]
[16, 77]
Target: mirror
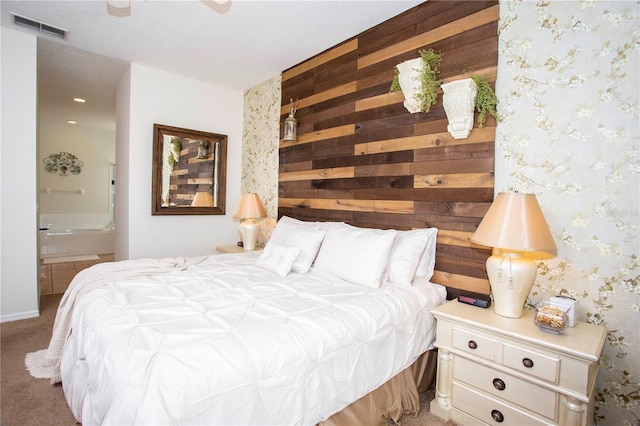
[189, 171]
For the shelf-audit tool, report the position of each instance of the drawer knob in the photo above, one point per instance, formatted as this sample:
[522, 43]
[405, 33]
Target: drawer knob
[497, 416]
[527, 362]
[499, 384]
[472, 344]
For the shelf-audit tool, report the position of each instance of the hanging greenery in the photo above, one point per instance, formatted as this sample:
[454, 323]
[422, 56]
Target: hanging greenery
[486, 101]
[428, 78]
[430, 83]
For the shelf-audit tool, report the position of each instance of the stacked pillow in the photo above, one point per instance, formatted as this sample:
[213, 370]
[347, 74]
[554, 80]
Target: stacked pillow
[357, 255]
[289, 232]
[363, 256]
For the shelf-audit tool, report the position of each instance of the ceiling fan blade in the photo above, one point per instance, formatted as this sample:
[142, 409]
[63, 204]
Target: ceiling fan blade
[119, 7]
[220, 6]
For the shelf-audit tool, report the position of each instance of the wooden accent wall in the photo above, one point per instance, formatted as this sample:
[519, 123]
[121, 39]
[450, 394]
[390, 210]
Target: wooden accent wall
[362, 158]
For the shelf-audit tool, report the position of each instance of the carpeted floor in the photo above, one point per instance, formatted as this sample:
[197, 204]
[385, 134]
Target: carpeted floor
[26, 401]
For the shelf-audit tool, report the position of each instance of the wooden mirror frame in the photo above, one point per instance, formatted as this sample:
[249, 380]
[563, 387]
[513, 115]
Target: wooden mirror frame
[198, 164]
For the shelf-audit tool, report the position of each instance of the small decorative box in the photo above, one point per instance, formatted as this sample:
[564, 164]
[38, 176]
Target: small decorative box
[550, 317]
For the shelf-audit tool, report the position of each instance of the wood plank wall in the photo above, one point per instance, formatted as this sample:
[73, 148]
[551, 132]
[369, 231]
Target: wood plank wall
[362, 158]
[191, 174]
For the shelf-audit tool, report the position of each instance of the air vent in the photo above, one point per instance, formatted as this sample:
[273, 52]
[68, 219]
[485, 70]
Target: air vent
[39, 26]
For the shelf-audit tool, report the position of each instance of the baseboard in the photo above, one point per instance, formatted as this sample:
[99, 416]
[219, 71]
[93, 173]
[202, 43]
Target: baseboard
[19, 316]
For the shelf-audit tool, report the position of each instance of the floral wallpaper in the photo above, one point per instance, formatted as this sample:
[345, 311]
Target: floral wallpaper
[568, 87]
[260, 141]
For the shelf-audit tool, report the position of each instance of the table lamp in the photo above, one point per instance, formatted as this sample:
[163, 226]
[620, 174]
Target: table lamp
[249, 209]
[516, 229]
[202, 199]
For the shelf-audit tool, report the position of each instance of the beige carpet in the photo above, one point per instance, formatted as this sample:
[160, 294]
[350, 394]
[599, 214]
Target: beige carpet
[27, 401]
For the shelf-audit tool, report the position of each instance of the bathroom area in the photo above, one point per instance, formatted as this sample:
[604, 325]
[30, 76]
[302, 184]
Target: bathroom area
[76, 181]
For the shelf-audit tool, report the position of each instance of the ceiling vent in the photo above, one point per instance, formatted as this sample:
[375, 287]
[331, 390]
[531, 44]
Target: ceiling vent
[39, 26]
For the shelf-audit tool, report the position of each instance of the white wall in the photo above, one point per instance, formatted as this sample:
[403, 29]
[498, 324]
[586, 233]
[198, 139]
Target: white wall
[121, 239]
[18, 189]
[96, 149]
[160, 97]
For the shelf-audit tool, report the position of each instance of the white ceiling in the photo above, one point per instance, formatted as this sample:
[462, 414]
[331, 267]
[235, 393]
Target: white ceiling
[237, 45]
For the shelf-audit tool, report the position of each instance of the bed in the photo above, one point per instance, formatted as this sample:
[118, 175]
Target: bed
[329, 324]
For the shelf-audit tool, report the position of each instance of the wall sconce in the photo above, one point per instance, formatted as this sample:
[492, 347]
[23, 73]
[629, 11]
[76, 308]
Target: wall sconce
[516, 229]
[458, 99]
[249, 209]
[291, 124]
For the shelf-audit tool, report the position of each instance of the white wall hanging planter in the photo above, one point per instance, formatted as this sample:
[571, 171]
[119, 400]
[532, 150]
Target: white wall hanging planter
[459, 102]
[410, 83]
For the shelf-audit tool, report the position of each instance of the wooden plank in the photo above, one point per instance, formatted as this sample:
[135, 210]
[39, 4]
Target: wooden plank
[361, 160]
[461, 282]
[476, 135]
[336, 132]
[461, 267]
[294, 167]
[455, 238]
[454, 180]
[378, 101]
[469, 254]
[465, 165]
[337, 173]
[453, 209]
[378, 206]
[320, 59]
[415, 43]
[319, 97]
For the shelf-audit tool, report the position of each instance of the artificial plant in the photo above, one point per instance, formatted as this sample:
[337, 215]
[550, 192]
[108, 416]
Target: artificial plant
[486, 101]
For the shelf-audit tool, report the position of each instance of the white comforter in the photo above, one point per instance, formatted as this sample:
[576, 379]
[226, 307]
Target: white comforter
[226, 342]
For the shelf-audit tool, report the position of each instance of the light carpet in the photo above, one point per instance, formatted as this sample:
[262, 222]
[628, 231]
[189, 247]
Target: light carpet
[70, 259]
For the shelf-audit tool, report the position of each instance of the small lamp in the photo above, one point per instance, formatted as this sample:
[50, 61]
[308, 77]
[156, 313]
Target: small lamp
[202, 199]
[516, 229]
[249, 209]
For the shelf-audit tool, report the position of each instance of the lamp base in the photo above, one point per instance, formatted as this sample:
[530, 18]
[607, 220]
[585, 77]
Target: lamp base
[511, 277]
[249, 230]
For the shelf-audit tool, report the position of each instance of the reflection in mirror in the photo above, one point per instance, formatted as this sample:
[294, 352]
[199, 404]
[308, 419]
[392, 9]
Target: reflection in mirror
[189, 171]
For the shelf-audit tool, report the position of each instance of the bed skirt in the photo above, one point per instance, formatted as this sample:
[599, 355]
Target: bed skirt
[392, 399]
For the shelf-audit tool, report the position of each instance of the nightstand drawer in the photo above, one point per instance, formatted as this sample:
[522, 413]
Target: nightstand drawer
[504, 386]
[532, 363]
[474, 343]
[488, 409]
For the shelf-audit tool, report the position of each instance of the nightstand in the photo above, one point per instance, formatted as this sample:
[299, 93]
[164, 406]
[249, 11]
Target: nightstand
[234, 249]
[496, 370]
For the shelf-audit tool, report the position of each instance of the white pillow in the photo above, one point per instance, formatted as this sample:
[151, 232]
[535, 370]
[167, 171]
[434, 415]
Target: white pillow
[428, 260]
[308, 241]
[307, 236]
[408, 249]
[290, 221]
[357, 255]
[287, 221]
[277, 258]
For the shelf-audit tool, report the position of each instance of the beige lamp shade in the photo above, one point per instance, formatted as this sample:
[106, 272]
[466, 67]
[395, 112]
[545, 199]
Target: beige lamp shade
[515, 225]
[515, 222]
[202, 199]
[249, 207]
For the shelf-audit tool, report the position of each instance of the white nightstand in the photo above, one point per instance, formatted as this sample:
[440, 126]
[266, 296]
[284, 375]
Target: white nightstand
[234, 249]
[496, 370]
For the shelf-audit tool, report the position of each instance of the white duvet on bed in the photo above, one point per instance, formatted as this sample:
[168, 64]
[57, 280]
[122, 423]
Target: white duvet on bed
[226, 342]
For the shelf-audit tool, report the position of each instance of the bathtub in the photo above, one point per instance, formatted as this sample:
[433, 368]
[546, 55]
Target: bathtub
[73, 242]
